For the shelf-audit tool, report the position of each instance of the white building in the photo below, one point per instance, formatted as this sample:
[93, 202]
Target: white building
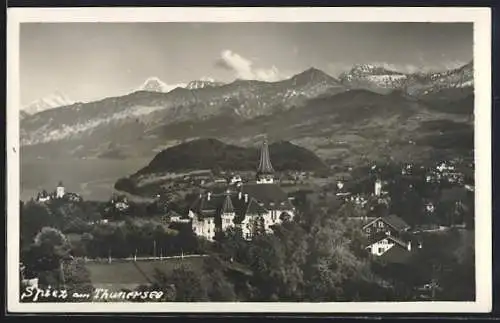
[60, 191]
[380, 244]
[378, 187]
[253, 207]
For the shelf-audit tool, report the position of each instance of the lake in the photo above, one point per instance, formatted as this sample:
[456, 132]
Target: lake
[93, 179]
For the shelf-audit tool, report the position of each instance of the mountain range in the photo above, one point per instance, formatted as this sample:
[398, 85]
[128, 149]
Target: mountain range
[51, 101]
[380, 79]
[365, 110]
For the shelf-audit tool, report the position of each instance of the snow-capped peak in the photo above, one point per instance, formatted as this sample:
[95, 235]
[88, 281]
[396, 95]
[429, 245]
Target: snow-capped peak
[54, 100]
[154, 84]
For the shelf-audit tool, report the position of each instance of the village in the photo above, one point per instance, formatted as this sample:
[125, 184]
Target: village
[254, 203]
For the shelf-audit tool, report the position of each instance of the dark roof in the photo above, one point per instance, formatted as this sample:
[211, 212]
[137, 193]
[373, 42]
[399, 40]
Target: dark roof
[252, 208]
[395, 222]
[218, 202]
[270, 195]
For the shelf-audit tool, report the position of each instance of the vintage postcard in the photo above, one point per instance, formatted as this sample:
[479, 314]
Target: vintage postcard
[249, 160]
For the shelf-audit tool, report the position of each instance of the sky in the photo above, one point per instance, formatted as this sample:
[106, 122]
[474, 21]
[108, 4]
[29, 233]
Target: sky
[90, 61]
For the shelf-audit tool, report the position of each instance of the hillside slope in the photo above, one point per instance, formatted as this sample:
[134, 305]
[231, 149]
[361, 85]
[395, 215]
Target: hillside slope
[214, 154]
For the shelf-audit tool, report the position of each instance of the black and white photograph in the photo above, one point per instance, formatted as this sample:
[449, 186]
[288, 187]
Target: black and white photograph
[249, 159]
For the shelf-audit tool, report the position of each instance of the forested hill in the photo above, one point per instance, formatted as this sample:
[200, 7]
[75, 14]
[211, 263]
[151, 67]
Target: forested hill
[214, 154]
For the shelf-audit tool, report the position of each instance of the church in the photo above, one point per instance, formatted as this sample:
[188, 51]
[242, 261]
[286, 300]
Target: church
[252, 207]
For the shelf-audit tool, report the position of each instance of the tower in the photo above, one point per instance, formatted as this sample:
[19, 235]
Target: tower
[227, 213]
[265, 171]
[378, 187]
[60, 190]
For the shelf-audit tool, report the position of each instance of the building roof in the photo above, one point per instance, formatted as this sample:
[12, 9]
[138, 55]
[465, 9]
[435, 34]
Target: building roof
[396, 222]
[270, 195]
[382, 235]
[204, 207]
[392, 220]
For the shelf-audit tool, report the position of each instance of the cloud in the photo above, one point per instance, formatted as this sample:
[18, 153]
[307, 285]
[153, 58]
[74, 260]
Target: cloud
[243, 68]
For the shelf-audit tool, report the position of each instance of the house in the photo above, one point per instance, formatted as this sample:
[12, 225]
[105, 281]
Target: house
[73, 197]
[391, 223]
[341, 189]
[382, 242]
[235, 179]
[213, 212]
[251, 206]
[43, 197]
[120, 203]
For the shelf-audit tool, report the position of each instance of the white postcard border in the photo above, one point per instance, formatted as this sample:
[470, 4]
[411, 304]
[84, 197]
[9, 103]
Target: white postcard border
[480, 17]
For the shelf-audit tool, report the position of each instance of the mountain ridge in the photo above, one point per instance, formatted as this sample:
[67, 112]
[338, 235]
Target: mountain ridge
[314, 104]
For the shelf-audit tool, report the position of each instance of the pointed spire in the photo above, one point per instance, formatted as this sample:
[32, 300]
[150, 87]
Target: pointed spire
[227, 207]
[265, 166]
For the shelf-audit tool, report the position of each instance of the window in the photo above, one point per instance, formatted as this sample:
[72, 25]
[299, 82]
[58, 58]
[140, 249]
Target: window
[381, 224]
[368, 230]
[380, 250]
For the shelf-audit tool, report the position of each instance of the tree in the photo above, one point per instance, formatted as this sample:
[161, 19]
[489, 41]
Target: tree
[33, 218]
[285, 217]
[44, 257]
[77, 277]
[219, 288]
[189, 287]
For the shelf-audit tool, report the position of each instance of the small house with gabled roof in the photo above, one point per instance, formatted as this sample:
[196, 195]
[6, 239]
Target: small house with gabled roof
[380, 243]
[391, 223]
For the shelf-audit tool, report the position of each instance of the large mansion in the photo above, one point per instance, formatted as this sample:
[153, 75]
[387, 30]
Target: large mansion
[252, 207]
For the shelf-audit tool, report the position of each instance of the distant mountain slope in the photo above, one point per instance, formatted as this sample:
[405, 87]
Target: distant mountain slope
[310, 109]
[382, 80]
[54, 100]
[243, 99]
[212, 154]
[349, 127]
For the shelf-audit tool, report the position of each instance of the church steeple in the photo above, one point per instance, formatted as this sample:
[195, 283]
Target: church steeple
[227, 213]
[265, 169]
[227, 207]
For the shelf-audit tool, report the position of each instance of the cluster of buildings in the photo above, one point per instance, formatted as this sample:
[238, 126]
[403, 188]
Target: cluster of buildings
[445, 171]
[253, 206]
[59, 194]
